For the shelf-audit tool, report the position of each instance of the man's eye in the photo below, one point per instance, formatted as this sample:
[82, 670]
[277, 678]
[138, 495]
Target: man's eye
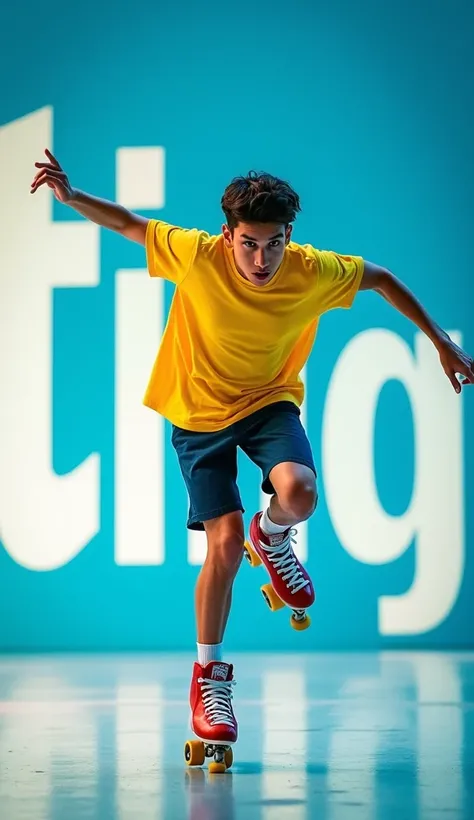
[275, 243]
[249, 244]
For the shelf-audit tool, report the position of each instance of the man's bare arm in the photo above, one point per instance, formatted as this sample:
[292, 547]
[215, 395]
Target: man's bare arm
[101, 211]
[453, 359]
[110, 215]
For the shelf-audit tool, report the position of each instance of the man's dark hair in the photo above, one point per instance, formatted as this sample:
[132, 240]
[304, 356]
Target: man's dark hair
[259, 197]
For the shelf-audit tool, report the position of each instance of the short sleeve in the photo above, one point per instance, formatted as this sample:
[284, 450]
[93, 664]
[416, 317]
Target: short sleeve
[338, 280]
[170, 250]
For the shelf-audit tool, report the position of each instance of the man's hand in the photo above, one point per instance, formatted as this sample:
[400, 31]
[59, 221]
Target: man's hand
[454, 360]
[52, 174]
[107, 214]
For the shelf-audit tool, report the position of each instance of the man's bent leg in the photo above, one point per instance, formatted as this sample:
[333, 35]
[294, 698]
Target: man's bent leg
[293, 501]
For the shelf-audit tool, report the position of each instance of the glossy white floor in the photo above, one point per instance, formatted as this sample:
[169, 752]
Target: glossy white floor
[357, 736]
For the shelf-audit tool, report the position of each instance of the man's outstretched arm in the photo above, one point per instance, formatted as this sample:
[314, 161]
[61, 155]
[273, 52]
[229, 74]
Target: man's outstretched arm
[101, 211]
[453, 359]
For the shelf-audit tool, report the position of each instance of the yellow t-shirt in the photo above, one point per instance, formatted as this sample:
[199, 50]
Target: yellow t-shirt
[231, 347]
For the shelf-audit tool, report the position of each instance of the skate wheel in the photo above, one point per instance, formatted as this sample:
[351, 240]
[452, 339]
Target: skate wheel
[228, 758]
[194, 754]
[273, 600]
[251, 556]
[300, 625]
[216, 768]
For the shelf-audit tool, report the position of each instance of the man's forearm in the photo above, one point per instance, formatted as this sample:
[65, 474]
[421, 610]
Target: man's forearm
[395, 292]
[101, 211]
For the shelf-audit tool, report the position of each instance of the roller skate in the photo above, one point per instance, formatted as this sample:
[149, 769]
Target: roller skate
[290, 583]
[212, 718]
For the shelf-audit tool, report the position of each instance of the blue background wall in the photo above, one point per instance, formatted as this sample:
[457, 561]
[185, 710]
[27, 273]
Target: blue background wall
[367, 109]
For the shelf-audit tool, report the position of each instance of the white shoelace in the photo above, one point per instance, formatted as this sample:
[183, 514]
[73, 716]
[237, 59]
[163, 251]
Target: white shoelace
[284, 561]
[216, 696]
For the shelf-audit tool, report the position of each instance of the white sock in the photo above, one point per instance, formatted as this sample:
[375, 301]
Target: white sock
[269, 527]
[208, 652]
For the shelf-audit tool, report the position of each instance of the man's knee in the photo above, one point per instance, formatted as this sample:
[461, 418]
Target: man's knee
[225, 543]
[299, 496]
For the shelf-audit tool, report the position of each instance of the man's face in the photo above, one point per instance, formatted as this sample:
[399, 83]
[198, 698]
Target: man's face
[258, 249]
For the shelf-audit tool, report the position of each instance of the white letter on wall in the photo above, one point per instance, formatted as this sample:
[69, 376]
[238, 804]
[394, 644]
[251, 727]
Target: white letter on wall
[436, 514]
[139, 432]
[45, 519]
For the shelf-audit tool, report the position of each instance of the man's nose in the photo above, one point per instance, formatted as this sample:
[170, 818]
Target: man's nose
[260, 259]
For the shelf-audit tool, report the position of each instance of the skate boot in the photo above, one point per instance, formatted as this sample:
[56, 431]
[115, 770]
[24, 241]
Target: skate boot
[212, 718]
[290, 583]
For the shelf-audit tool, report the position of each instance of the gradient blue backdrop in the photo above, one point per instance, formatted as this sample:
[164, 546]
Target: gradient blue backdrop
[367, 108]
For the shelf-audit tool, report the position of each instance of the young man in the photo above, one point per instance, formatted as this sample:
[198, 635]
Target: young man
[241, 326]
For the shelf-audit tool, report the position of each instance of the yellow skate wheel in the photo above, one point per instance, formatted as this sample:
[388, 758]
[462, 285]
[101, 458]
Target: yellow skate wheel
[300, 625]
[194, 753]
[251, 555]
[228, 758]
[273, 600]
[216, 768]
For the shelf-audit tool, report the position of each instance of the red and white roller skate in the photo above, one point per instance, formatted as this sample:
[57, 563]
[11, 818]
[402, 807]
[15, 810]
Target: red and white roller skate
[212, 718]
[290, 583]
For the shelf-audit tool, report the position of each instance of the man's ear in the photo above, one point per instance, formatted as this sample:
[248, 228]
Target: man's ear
[227, 235]
[288, 231]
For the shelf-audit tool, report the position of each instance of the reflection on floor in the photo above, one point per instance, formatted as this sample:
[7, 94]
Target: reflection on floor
[358, 736]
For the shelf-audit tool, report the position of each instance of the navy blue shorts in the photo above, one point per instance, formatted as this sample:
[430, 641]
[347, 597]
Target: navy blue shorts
[208, 461]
